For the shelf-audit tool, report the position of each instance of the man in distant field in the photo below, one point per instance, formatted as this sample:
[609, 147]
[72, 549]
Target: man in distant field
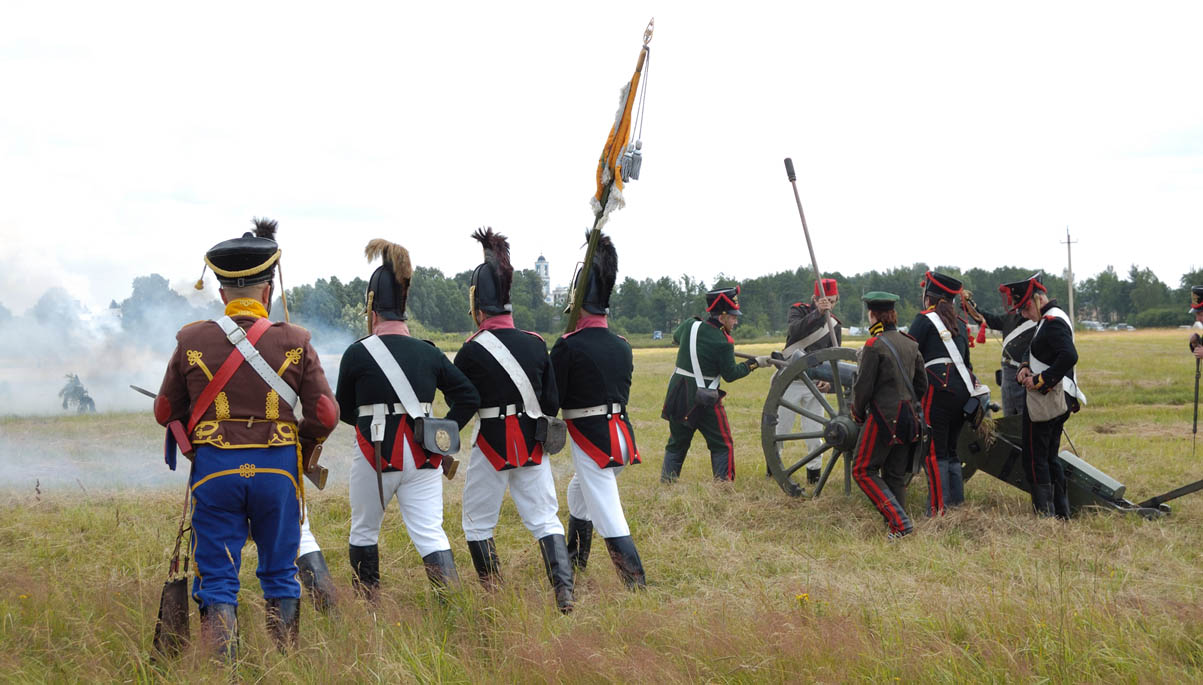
[238, 383]
[810, 327]
[1196, 308]
[693, 401]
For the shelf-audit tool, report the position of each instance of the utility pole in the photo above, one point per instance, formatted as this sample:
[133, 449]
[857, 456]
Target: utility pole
[1070, 273]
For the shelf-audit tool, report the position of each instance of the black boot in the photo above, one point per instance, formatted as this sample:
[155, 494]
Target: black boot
[440, 569]
[812, 476]
[626, 561]
[365, 565]
[1061, 500]
[284, 622]
[671, 469]
[219, 625]
[580, 539]
[484, 558]
[559, 569]
[315, 576]
[1042, 499]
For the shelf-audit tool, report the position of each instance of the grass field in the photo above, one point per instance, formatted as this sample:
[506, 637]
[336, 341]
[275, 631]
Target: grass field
[745, 584]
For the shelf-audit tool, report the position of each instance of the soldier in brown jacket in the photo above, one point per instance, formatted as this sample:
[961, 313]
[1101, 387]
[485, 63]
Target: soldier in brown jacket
[885, 402]
[235, 384]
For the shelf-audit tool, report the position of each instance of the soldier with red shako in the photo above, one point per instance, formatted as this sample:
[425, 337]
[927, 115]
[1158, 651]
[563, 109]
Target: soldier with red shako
[593, 368]
[511, 370]
[236, 386]
[386, 385]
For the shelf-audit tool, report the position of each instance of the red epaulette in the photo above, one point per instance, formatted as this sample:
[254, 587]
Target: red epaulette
[908, 335]
[535, 334]
[870, 341]
[796, 304]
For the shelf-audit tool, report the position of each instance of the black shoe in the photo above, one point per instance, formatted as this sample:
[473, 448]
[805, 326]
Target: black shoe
[559, 569]
[812, 476]
[440, 569]
[1042, 499]
[626, 562]
[219, 625]
[579, 541]
[365, 565]
[284, 622]
[315, 576]
[484, 558]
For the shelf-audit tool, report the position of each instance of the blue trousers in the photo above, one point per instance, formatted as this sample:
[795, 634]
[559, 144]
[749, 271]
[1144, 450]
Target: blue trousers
[238, 493]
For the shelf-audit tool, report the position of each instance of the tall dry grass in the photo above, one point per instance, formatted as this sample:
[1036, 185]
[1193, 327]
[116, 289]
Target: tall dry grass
[746, 584]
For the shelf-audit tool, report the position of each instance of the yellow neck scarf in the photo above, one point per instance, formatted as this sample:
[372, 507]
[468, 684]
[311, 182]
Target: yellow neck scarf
[244, 306]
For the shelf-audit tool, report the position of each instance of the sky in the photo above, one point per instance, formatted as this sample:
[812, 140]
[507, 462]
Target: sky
[136, 136]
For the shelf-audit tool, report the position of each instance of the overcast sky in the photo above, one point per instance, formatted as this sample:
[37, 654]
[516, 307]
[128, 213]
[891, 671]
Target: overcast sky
[134, 137]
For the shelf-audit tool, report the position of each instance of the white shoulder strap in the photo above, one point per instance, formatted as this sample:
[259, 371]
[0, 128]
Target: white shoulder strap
[237, 338]
[814, 337]
[395, 375]
[1018, 331]
[693, 357]
[955, 355]
[1068, 381]
[494, 346]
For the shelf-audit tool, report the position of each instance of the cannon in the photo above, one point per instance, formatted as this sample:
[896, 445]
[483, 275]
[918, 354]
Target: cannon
[994, 447]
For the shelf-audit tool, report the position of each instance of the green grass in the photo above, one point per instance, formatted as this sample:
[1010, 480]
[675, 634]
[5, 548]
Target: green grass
[746, 584]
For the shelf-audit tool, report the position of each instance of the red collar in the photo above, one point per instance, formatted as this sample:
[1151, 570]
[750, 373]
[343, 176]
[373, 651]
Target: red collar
[495, 323]
[390, 328]
[588, 320]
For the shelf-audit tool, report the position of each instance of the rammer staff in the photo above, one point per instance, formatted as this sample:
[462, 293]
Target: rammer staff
[793, 181]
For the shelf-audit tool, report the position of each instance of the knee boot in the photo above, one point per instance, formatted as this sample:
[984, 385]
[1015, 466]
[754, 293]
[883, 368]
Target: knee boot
[315, 576]
[671, 470]
[365, 565]
[284, 622]
[1042, 499]
[626, 561]
[559, 569]
[219, 625]
[440, 569]
[580, 540]
[1061, 500]
[484, 558]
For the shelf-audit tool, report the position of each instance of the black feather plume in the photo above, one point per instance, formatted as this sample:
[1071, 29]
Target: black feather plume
[265, 228]
[605, 261]
[497, 255]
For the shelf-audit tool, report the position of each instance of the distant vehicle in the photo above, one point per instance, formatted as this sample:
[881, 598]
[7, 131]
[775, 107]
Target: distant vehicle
[1123, 327]
[1093, 326]
[657, 335]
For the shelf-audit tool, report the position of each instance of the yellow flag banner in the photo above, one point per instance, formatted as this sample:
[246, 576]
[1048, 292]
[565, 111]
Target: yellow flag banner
[609, 167]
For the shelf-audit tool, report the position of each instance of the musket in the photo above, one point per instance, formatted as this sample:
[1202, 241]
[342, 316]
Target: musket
[316, 473]
[611, 153]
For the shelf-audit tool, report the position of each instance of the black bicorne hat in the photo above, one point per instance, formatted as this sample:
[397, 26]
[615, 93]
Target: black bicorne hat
[602, 276]
[1196, 299]
[244, 261]
[723, 301]
[941, 285]
[1016, 295]
[490, 288]
[388, 288]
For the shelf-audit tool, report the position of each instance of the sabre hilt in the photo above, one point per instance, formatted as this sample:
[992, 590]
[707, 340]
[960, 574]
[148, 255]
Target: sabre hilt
[789, 170]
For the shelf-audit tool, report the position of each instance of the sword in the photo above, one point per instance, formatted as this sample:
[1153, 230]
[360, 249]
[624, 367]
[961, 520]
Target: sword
[379, 475]
[152, 395]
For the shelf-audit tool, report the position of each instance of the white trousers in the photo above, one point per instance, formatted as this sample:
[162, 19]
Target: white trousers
[419, 494]
[532, 488]
[798, 394]
[308, 542]
[593, 492]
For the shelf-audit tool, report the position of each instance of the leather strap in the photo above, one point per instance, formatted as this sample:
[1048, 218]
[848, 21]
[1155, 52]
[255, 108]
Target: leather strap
[238, 339]
[570, 414]
[395, 375]
[224, 374]
[496, 348]
[693, 357]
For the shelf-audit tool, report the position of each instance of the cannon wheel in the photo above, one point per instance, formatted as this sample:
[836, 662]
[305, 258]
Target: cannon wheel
[839, 432]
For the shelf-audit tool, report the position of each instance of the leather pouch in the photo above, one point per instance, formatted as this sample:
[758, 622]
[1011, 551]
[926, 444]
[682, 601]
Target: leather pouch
[437, 436]
[552, 433]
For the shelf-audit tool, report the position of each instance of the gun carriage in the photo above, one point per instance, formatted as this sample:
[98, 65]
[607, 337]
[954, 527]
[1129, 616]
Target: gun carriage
[994, 447]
